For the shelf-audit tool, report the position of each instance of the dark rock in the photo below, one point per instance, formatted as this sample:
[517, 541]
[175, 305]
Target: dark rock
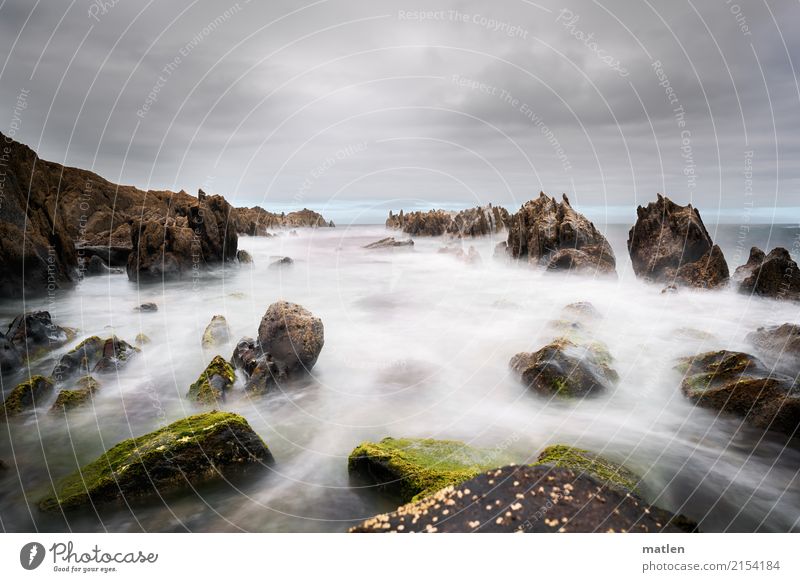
[292, 335]
[281, 263]
[26, 395]
[779, 345]
[179, 456]
[35, 330]
[553, 235]
[213, 383]
[774, 275]
[389, 243]
[84, 391]
[148, 307]
[10, 357]
[740, 384]
[94, 354]
[536, 499]
[670, 244]
[262, 372]
[97, 266]
[3, 466]
[566, 368]
[244, 257]
[501, 251]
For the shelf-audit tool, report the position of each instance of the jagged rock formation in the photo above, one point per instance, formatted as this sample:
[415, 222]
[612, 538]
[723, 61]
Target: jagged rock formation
[256, 221]
[554, 235]
[478, 221]
[670, 244]
[774, 275]
[389, 243]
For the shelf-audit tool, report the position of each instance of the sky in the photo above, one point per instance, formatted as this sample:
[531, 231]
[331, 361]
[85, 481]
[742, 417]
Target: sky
[356, 107]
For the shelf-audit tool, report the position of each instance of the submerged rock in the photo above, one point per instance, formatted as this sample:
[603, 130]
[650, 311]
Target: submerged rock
[147, 307]
[244, 257]
[83, 392]
[537, 499]
[281, 263]
[389, 243]
[213, 383]
[141, 339]
[740, 384]
[182, 455]
[774, 275]
[779, 345]
[670, 244]
[292, 335]
[557, 237]
[414, 468]
[581, 311]
[29, 394]
[217, 332]
[94, 354]
[566, 369]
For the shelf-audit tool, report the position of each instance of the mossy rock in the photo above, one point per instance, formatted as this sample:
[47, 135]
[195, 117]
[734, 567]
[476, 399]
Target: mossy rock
[217, 332]
[81, 394]
[413, 468]
[141, 339]
[583, 461]
[94, 354]
[740, 384]
[182, 455]
[25, 395]
[567, 368]
[216, 379]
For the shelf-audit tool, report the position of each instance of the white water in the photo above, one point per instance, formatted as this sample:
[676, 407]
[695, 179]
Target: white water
[416, 344]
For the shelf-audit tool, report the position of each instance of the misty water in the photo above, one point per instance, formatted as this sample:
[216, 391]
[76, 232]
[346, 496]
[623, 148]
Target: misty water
[417, 344]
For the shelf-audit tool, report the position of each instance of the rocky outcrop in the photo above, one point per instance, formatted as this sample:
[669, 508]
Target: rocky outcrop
[779, 346]
[389, 243]
[670, 244]
[30, 336]
[431, 223]
[217, 333]
[472, 222]
[774, 275]
[553, 235]
[29, 394]
[213, 383]
[179, 456]
[256, 221]
[83, 392]
[94, 354]
[414, 468]
[740, 384]
[566, 368]
[536, 499]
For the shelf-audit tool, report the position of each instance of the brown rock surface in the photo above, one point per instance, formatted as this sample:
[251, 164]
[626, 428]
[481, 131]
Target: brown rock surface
[774, 275]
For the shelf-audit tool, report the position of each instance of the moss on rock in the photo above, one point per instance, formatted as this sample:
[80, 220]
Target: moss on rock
[81, 394]
[28, 394]
[583, 461]
[216, 379]
[186, 452]
[413, 468]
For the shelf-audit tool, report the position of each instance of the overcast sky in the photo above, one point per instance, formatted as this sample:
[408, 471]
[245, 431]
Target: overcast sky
[353, 107]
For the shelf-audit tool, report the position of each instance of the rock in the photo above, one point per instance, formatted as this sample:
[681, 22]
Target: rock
[331, 225]
[141, 339]
[566, 369]
[611, 474]
[281, 263]
[10, 357]
[256, 221]
[389, 243]
[553, 235]
[147, 307]
[431, 223]
[3, 466]
[213, 383]
[501, 251]
[244, 257]
[28, 394]
[581, 311]
[95, 265]
[94, 354]
[740, 384]
[217, 333]
[670, 244]
[472, 222]
[774, 275]
[83, 393]
[179, 456]
[262, 372]
[780, 346]
[471, 257]
[415, 468]
[292, 336]
[34, 333]
[535, 499]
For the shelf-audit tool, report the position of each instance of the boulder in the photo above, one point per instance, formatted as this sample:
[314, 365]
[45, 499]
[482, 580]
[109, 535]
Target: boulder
[740, 384]
[179, 456]
[292, 335]
[553, 235]
[244, 257]
[281, 263]
[774, 275]
[566, 368]
[94, 354]
[389, 243]
[29, 394]
[84, 391]
[217, 333]
[213, 383]
[670, 244]
[779, 345]
[536, 499]
[414, 468]
[34, 334]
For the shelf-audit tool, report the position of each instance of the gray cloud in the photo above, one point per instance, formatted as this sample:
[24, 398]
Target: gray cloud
[359, 105]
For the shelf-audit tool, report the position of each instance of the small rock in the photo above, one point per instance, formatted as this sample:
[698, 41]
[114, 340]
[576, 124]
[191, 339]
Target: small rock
[80, 395]
[244, 257]
[26, 395]
[94, 354]
[141, 339]
[217, 332]
[389, 243]
[147, 307]
[213, 383]
[281, 263]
